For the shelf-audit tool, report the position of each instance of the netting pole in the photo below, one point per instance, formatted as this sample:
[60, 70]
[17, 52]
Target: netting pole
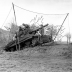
[61, 25]
[17, 39]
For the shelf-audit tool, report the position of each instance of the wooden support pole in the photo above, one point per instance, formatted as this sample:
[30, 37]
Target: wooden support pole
[18, 44]
[17, 39]
[14, 13]
[61, 25]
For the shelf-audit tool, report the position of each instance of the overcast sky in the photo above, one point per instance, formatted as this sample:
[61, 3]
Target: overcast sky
[40, 6]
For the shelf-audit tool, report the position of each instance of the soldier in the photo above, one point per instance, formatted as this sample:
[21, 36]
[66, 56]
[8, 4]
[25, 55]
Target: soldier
[41, 30]
[20, 28]
[26, 26]
[14, 37]
[26, 29]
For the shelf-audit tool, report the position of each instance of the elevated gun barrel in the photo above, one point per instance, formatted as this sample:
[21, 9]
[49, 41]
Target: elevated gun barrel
[38, 29]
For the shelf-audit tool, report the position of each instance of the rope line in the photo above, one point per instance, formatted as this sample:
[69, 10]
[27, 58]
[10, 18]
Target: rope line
[37, 12]
[6, 17]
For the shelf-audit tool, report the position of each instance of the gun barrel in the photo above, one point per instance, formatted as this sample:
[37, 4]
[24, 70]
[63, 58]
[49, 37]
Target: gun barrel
[39, 28]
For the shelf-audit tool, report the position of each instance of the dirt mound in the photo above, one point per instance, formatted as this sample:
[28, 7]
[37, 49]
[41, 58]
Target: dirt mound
[37, 59]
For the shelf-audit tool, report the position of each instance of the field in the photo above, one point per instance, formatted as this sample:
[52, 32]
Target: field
[55, 58]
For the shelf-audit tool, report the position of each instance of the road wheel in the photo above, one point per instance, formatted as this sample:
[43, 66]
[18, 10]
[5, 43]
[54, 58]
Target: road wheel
[34, 42]
[27, 44]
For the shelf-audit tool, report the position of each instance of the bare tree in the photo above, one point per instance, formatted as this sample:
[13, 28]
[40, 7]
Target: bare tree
[37, 20]
[54, 32]
[51, 30]
[12, 30]
[68, 36]
[60, 33]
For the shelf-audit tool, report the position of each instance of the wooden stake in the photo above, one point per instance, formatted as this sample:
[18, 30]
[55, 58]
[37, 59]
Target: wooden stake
[18, 43]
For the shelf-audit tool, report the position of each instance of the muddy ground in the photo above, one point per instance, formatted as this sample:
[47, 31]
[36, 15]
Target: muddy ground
[55, 58]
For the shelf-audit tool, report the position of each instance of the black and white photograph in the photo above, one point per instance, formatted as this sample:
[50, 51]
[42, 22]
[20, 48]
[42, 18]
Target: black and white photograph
[35, 35]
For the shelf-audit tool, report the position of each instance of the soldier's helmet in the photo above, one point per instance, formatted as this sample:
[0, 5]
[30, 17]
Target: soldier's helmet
[25, 25]
[22, 26]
